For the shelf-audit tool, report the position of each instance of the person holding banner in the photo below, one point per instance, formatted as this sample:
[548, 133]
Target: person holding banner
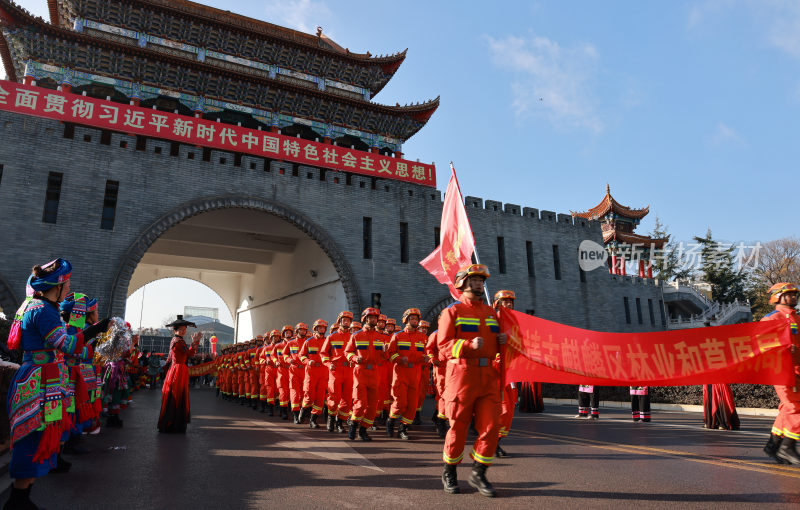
[469, 340]
[175, 414]
[505, 298]
[786, 429]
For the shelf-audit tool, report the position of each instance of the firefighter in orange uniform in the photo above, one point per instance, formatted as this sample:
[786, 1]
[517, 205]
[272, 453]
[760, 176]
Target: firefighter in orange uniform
[439, 371]
[425, 372]
[316, 378]
[355, 327]
[365, 350]
[282, 370]
[407, 351]
[271, 372]
[505, 298]
[297, 372]
[469, 339]
[340, 376]
[254, 370]
[262, 359]
[786, 429]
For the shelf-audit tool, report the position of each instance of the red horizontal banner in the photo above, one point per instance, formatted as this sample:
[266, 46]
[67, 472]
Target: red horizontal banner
[544, 351]
[203, 369]
[135, 120]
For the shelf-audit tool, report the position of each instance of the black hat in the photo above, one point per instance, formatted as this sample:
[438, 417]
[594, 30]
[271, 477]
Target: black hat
[180, 322]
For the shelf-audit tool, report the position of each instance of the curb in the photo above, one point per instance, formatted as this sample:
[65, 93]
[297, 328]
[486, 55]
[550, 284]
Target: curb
[687, 408]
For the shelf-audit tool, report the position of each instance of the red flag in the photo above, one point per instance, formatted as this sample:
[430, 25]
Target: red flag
[456, 243]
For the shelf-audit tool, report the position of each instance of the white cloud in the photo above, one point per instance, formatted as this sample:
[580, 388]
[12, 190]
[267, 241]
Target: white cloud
[777, 22]
[303, 15]
[725, 134]
[550, 81]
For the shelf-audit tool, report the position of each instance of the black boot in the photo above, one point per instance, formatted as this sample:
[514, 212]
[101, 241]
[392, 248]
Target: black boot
[771, 449]
[450, 479]
[73, 446]
[243, 400]
[340, 426]
[271, 410]
[787, 451]
[62, 465]
[303, 414]
[478, 480]
[441, 428]
[417, 419]
[263, 406]
[312, 422]
[20, 499]
[500, 452]
[296, 417]
[362, 434]
[402, 433]
[331, 422]
[390, 423]
[351, 434]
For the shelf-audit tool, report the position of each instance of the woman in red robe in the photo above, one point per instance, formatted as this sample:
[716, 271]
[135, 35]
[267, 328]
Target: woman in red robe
[175, 392]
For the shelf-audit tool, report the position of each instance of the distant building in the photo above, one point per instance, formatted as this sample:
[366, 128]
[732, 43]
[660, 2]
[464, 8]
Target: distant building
[211, 327]
[198, 311]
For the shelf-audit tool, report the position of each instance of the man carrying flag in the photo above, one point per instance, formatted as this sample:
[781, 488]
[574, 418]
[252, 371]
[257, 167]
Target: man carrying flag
[469, 340]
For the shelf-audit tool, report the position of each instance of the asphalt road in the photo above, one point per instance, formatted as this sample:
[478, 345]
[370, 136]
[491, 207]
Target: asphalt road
[233, 457]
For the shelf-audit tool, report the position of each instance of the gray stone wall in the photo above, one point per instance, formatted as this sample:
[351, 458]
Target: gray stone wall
[157, 190]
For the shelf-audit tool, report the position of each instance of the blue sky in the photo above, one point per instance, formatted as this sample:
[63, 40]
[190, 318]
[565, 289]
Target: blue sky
[690, 107]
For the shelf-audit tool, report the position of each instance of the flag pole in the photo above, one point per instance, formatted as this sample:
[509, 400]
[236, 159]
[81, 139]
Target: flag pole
[474, 247]
[486, 293]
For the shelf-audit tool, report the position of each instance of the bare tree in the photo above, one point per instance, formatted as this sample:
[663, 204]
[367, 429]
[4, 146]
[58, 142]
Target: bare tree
[779, 261]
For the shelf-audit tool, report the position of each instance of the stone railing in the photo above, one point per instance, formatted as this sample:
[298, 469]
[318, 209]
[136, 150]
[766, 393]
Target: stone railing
[716, 315]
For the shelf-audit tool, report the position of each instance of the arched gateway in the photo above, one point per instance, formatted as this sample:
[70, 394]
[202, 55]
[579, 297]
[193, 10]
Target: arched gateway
[145, 138]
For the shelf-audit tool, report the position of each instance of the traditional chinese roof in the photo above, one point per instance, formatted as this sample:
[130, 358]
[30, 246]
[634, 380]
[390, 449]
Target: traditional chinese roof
[616, 236]
[156, 16]
[609, 205]
[26, 38]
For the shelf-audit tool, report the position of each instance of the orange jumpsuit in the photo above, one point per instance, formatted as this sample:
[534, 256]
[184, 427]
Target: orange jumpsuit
[261, 363]
[472, 383]
[369, 345]
[253, 380]
[384, 380]
[787, 423]
[268, 381]
[238, 366]
[281, 373]
[296, 371]
[510, 396]
[316, 378]
[409, 344]
[340, 377]
[432, 350]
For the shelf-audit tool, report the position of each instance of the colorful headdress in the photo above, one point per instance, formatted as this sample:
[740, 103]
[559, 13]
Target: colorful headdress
[77, 305]
[62, 272]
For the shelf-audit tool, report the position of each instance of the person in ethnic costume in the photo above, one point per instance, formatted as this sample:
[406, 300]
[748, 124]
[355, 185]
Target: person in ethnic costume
[786, 429]
[175, 393]
[37, 393]
[77, 310]
[640, 403]
[588, 402]
[469, 340]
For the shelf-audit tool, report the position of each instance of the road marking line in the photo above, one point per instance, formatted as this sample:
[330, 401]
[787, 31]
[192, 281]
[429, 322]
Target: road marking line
[648, 450]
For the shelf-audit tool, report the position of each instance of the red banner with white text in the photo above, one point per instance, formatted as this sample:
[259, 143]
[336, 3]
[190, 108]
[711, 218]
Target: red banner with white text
[136, 120]
[545, 351]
